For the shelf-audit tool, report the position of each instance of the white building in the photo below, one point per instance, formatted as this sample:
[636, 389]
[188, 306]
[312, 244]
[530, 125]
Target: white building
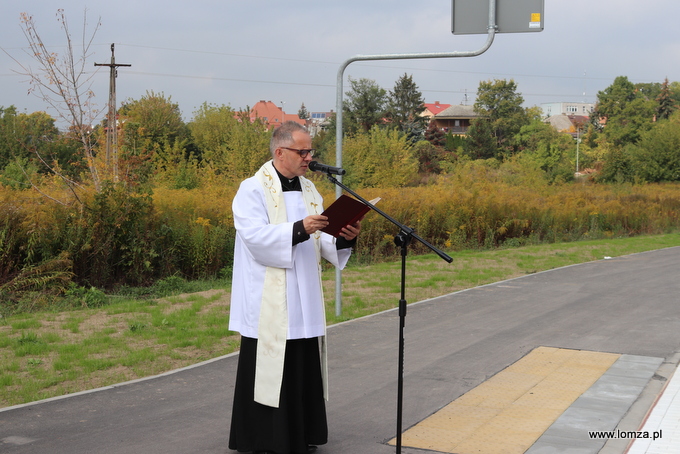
[567, 108]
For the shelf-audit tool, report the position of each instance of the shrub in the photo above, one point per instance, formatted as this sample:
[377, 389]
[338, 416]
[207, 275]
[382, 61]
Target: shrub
[120, 238]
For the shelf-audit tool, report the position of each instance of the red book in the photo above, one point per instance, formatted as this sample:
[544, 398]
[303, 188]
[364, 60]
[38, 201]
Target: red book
[343, 212]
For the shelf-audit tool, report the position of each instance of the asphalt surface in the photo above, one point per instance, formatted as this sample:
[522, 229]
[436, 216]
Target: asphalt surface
[626, 305]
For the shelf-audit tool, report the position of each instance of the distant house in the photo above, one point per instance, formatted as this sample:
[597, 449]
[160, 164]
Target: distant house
[567, 108]
[433, 109]
[456, 119]
[568, 123]
[272, 115]
[319, 121]
[320, 117]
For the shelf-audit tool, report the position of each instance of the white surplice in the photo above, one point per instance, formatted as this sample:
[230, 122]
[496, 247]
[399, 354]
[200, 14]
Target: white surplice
[260, 245]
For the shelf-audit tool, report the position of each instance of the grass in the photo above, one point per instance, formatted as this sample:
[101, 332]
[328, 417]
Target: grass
[46, 354]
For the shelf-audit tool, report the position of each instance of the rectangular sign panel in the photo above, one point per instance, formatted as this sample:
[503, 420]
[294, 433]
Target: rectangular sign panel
[512, 16]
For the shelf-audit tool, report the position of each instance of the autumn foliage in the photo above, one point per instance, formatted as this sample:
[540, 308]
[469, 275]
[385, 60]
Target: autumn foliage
[120, 238]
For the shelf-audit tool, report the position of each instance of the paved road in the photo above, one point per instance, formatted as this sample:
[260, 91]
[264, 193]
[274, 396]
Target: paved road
[453, 343]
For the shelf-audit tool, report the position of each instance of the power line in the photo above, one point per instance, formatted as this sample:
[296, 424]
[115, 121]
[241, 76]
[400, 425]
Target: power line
[208, 52]
[323, 62]
[229, 79]
[296, 60]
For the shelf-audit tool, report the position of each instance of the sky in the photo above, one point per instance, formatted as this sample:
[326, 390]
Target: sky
[236, 53]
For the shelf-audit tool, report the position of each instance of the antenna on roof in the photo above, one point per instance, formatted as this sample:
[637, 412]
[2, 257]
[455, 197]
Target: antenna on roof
[584, 87]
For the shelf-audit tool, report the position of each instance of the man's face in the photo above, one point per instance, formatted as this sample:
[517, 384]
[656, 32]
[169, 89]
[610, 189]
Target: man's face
[288, 161]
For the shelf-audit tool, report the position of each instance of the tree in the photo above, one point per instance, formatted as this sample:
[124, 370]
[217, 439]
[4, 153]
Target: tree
[665, 103]
[303, 114]
[480, 142]
[674, 88]
[151, 121]
[405, 104]
[380, 158]
[10, 141]
[429, 157]
[365, 105]
[154, 136]
[434, 135]
[613, 99]
[34, 138]
[64, 84]
[617, 165]
[626, 111]
[551, 151]
[656, 157]
[500, 106]
[229, 143]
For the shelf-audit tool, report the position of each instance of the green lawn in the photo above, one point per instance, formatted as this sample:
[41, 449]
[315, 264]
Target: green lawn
[46, 354]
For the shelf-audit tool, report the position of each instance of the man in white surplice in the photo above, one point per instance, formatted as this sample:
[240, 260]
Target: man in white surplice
[277, 301]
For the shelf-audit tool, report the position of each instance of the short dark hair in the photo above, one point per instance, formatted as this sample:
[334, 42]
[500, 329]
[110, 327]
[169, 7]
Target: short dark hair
[283, 135]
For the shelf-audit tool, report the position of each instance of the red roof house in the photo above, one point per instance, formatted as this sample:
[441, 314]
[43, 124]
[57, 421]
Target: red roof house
[433, 109]
[272, 115]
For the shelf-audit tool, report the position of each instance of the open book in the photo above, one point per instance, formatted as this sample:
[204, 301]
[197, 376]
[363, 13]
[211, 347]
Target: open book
[345, 211]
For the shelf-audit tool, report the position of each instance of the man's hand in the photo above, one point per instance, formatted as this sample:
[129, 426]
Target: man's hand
[314, 222]
[350, 232]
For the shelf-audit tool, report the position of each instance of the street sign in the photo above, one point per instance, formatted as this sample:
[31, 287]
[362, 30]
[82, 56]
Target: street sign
[471, 17]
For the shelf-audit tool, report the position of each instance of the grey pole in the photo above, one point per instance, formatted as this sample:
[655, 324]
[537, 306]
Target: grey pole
[491, 32]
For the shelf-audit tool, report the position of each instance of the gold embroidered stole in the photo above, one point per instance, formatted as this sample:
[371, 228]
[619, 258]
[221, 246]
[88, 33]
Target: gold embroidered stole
[273, 322]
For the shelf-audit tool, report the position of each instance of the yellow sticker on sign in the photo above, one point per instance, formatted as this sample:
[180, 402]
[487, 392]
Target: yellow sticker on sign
[535, 17]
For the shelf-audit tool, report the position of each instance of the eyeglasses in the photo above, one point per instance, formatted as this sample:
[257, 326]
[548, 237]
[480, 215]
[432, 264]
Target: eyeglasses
[302, 152]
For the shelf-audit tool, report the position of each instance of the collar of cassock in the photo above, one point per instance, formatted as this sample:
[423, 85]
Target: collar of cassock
[288, 184]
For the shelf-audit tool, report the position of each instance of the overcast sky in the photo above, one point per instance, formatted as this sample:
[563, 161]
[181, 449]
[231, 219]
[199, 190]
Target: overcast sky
[289, 52]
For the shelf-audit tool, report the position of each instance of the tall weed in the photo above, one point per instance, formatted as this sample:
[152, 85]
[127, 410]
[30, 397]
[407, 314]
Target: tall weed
[118, 237]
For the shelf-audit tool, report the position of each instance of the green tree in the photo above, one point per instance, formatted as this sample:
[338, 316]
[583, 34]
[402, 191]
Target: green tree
[19, 173]
[551, 151]
[656, 157]
[380, 158]
[229, 143]
[649, 90]
[34, 138]
[364, 106]
[405, 104]
[480, 142]
[303, 113]
[613, 99]
[626, 111]
[674, 88]
[9, 142]
[665, 103]
[151, 121]
[154, 136]
[500, 106]
[617, 165]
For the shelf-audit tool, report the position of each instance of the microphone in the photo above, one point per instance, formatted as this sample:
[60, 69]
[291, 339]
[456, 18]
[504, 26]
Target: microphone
[316, 167]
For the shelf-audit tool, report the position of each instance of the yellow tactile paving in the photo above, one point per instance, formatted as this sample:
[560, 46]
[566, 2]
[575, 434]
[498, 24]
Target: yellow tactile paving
[507, 413]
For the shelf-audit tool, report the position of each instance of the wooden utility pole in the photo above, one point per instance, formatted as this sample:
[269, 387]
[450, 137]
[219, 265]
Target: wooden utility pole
[112, 123]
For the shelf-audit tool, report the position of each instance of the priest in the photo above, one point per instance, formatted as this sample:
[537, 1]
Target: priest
[277, 302]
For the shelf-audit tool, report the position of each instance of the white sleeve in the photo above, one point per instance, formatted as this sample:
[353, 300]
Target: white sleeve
[337, 257]
[268, 244]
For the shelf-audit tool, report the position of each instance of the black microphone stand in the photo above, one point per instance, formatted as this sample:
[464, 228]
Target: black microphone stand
[402, 239]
